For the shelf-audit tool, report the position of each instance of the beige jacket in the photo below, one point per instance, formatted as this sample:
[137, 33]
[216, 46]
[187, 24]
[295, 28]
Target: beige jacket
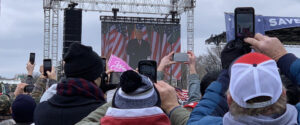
[94, 117]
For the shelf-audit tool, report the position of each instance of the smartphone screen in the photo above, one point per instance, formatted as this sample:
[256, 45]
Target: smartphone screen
[32, 58]
[104, 63]
[47, 66]
[115, 77]
[180, 57]
[149, 69]
[244, 22]
[28, 88]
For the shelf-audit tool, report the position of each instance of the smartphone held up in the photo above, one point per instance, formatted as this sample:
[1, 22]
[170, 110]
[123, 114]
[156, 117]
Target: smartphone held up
[28, 88]
[32, 58]
[181, 57]
[115, 78]
[104, 63]
[148, 68]
[244, 18]
[47, 66]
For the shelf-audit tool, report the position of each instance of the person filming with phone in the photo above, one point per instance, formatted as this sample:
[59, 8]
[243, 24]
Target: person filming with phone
[77, 95]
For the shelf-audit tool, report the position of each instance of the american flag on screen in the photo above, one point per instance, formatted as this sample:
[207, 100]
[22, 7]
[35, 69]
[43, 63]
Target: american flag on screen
[165, 45]
[112, 32]
[176, 69]
[104, 38]
[155, 44]
[103, 44]
[115, 41]
[171, 42]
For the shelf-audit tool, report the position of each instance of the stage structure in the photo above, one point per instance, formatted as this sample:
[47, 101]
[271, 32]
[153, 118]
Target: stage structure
[135, 38]
[162, 8]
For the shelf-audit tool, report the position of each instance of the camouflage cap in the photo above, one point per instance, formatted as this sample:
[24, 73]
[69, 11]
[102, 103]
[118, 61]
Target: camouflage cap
[4, 103]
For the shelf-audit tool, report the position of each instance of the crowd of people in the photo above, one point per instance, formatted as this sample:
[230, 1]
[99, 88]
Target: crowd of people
[248, 90]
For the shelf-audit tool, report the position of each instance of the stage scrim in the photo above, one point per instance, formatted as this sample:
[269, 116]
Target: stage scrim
[134, 42]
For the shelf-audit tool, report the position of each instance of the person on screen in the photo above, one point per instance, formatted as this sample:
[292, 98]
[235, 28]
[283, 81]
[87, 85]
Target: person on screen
[137, 49]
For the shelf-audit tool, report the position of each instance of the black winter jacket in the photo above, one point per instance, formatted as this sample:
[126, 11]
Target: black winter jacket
[64, 110]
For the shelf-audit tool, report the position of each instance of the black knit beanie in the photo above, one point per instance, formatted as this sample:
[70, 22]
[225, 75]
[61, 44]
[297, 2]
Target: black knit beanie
[82, 62]
[23, 109]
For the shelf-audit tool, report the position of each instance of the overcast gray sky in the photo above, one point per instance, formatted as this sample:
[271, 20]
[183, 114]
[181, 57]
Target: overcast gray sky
[21, 27]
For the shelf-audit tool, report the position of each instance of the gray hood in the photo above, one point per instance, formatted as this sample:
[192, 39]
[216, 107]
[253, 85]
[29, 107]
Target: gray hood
[288, 118]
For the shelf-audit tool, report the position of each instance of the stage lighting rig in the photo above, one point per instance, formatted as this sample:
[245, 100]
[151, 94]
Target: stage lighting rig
[72, 5]
[174, 14]
[115, 12]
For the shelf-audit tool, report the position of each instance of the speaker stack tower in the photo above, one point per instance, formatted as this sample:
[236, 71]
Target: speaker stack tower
[72, 28]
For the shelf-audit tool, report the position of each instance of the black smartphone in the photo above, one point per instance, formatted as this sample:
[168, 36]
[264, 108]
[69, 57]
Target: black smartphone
[47, 66]
[115, 77]
[104, 63]
[104, 78]
[149, 69]
[32, 58]
[28, 88]
[244, 18]
[180, 57]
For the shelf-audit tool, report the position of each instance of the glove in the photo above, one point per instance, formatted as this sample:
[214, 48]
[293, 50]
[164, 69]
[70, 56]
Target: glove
[232, 51]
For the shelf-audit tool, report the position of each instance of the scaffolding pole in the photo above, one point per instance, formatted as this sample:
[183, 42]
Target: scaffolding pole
[55, 26]
[190, 30]
[47, 37]
[46, 33]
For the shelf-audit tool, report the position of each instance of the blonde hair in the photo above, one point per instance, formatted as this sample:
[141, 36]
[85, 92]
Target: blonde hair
[278, 107]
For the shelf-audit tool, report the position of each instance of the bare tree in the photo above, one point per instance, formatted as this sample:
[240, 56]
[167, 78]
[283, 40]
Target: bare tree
[209, 62]
[216, 39]
[204, 63]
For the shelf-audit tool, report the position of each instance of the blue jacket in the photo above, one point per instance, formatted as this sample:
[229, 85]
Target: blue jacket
[213, 105]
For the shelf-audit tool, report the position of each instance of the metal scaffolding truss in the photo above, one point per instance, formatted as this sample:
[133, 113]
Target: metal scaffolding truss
[190, 30]
[46, 33]
[55, 24]
[152, 7]
[162, 7]
[125, 6]
[47, 23]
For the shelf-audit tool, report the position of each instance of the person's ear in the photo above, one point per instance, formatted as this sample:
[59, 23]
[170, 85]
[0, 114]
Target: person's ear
[284, 92]
[229, 99]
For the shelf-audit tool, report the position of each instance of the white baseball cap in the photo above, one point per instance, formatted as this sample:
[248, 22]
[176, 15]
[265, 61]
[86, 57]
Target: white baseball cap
[254, 75]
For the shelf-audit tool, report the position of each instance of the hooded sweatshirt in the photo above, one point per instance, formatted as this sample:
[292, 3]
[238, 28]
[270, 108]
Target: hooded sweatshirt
[49, 93]
[288, 118]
